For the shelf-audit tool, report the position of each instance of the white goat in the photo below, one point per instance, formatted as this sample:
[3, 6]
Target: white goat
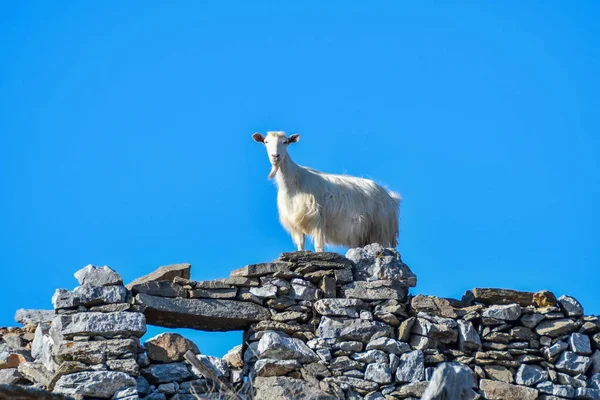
[334, 209]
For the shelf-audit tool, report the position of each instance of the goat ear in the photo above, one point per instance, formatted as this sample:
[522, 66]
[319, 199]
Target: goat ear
[293, 138]
[258, 137]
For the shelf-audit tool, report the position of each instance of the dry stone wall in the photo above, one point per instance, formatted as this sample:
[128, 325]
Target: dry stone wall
[316, 325]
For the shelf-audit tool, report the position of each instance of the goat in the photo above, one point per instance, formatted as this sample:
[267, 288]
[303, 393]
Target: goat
[334, 209]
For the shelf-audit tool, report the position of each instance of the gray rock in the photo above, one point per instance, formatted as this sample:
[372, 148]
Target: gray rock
[411, 367]
[264, 292]
[218, 366]
[573, 363]
[269, 367]
[230, 293]
[580, 344]
[371, 356]
[143, 386]
[587, 393]
[555, 327]
[433, 305]
[496, 390]
[570, 306]
[373, 262]
[499, 373]
[352, 346]
[377, 290]
[169, 347]
[160, 288]
[10, 376]
[324, 354]
[101, 384]
[303, 290]
[531, 320]
[548, 387]
[491, 296]
[128, 393]
[442, 329]
[468, 338]
[276, 346]
[575, 381]
[529, 375]
[41, 347]
[96, 295]
[379, 373]
[352, 329]
[554, 350]
[258, 270]
[450, 381]
[64, 299]
[128, 365]
[160, 396]
[98, 276]
[338, 307]
[165, 373]
[358, 384]
[508, 312]
[285, 388]
[202, 314]
[27, 316]
[388, 345]
[99, 324]
[164, 273]
[234, 357]
[94, 352]
[596, 362]
[36, 373]
[21, 392]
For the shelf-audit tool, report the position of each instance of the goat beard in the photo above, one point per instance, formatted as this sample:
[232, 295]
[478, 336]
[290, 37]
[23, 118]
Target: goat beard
[274, 169]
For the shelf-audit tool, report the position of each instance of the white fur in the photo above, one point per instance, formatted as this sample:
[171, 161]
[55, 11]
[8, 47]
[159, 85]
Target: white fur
[334, 209]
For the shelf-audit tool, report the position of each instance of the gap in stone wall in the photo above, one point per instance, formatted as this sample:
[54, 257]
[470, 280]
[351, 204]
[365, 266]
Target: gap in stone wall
[215, 344]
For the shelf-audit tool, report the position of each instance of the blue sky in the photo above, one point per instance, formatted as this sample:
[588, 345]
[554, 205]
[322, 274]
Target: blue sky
[125, 136]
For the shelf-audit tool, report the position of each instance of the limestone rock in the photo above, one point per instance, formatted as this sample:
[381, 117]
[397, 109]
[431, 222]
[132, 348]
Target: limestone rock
[468, 337]
[338, 307]
[98, 276]
[64, 299]
[491, 296]
[101, 384]
[379, 373]
[27, 316]
[164, 273]
[36, 372]
[571, 306]
[573, 363]
[374, 262]
[96, 295]
[544, 298]
[165, 373]
[529, 375]
[169, 347]
[265, 291]
[376, 290]
[276, 346]
[101, 324]
[10, 376]
[203, 314]
[433, 305]
[284, 388]
[556, 390]
[352, 329]
[411, 367]
[269, 367]
[303, 290]
[580, 344]
[234, 357]
[508, 312]
[41, 348]
[159, 288]
[555, 327]
[218, 366]
[258, 270]
[388, 345]
[95, 352]
[496, 390]
[20, 392]
[531, 320]
[450, 381]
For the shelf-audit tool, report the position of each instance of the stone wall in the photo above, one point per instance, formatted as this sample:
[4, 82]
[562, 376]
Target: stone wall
[316, 325]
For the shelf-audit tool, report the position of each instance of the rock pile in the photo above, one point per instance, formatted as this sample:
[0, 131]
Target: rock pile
[316, 325]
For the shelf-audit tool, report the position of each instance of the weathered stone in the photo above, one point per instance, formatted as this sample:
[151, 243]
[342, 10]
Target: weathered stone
[64, 299]
[100, 324]
[451, 381]
[129, 366]
[531, 320]
[95, 352]
[234, 357]
[164, 373]
[284, 388]
[580, 344]
[573, 363]
[203, 314]
[10, 376]
[98, 276]
[338, 307]
[499, 373]
[405, 328]
[379, 373]
[575, 381]
[269, 367]
[374, 262]
[41, 348]
[596, 362]
[544, 298]
[126, 393]
[276, 346]
[388, 345]
[433, 305]
[303, 290]
[371, 356]
[258, 270]
[328, 286]
[265, 292]
[361, 385]
[555, 327]
[508, 312]
[492, 296]
[27, 316]
[529, 375]
[411, 367]
[230, 293]
[443, 330]
[570, 306]
[218, 366]
[20, 392]
[468, 337]
[522, 333]
[160, 288]
[35, 372]
[376, 290]
[554, 350]
[95, 295]
[101, 384]
[587, 393]
[352, 329]
[169, 347]
[496, 390]
[106, 308]
[164, 273]
[556, 390]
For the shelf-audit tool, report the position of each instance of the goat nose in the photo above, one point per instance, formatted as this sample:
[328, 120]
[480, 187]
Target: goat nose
[275, 155]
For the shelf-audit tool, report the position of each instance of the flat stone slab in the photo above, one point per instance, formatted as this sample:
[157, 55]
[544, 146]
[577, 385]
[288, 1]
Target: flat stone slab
[99, 324]
[491, 296]
[262, 269]
[201, 314]
[164, 273]
[27, 316]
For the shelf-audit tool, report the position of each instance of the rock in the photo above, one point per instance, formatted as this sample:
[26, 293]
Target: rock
[258, 270]
[450, 381]
[411, 367]
[556, 390]
[202, 314]
[596, 362]
[570, 306]
[143, 386]
[442, 329]
[99, 324]
[492, 296]
[269, 367]
[98, 276]
[284, 388]
[41, 348]
[379, 373]
[373, 262]
[555, 327]
[499, 373]
[26, 316]
[531, 320]
[303, 290]
[338, 307]
[468, 337]
[101, 384]
[433, 305]
[573, 363]
[370, 356]
[276, 346]
[116, 307]
[554, 350]
[160, 288]
[544, 298]
[128, 393]
[496, 390]
[10, 376]
[95, 352]
[405, 328]
[71, 367]
[165, 373]
[36, 373]
[529, 375]
[234, 357]
[377, 290]
[388, 345]
[587, 393]
[64, 299]
[169, 347]
[358, 384]
[129, 366]
[218, 366]
[508, 312]
[352, 329]
[19, 392]
[95, 295]
[164, 273]
[265, 292]
[580, 344]
[575, 381]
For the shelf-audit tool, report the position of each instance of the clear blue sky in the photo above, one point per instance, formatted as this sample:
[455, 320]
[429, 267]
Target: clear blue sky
[125, 136]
